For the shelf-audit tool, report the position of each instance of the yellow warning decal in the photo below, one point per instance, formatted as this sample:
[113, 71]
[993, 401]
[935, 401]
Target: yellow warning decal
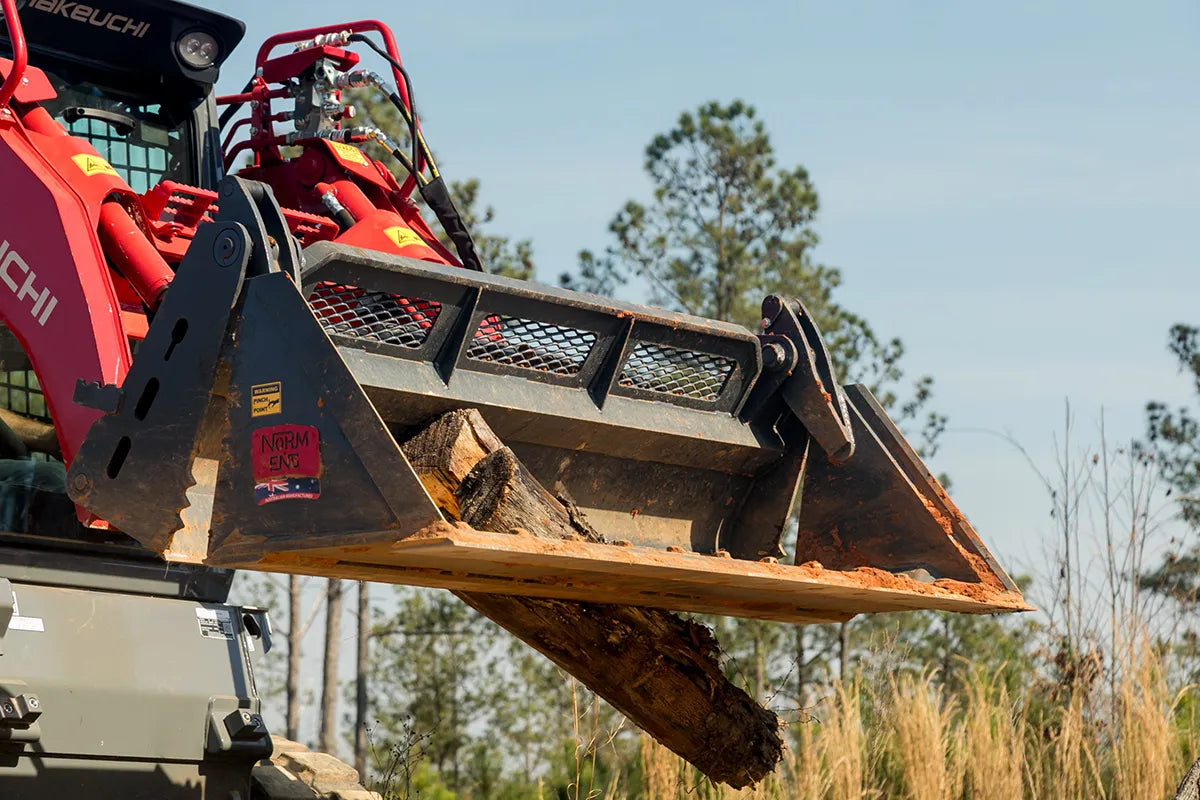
[404, 237]
[94, 165]
[266, 398]
[350, 153]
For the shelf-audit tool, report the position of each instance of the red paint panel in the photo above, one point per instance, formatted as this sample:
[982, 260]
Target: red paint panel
[56, 290]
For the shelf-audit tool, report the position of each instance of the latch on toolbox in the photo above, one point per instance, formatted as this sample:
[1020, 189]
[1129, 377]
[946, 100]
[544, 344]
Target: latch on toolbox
[19, 712]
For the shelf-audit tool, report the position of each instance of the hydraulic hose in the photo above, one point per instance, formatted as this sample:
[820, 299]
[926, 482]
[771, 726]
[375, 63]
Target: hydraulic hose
[434, 192]
[228, 113]
[409, 112]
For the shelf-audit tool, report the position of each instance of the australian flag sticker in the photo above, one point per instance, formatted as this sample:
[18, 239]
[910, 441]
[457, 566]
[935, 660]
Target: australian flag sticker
[270, 490]
[286, 461]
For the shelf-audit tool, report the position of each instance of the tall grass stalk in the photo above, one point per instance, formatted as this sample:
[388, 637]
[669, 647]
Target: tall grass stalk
[842, 744]
[1145, 759]
[924, 743]
[993, 736]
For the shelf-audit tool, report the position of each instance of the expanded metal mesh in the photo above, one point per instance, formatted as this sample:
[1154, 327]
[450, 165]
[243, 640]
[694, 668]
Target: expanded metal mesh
[517, 342]
[531, 344]
[670, 370]
[375, 316]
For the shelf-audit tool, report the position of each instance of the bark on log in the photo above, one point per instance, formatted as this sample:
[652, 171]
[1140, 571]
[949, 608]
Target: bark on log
[659, 670]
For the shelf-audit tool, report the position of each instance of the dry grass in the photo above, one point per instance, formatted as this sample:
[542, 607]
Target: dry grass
[993, 735]
[803, 768]
[1065, 752]
[1144, 759]
[908, 739]
[842, 744]
[660, 770]
[924, 743]
[665, 776]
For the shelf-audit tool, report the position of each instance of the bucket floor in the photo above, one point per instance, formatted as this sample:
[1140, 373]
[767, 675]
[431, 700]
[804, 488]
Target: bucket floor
[458, 558]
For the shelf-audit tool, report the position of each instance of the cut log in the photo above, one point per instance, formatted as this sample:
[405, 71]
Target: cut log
[499, 494]
[659, 670]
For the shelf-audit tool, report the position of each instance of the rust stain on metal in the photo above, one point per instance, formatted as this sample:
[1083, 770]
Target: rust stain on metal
[860, 577]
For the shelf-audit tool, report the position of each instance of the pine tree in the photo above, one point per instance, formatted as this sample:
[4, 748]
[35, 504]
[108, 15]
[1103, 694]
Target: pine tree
[327, 740]
[430, 664]
[500, 255]
[727, 226]
[362, 667]
[294, 634]
[1173, 443]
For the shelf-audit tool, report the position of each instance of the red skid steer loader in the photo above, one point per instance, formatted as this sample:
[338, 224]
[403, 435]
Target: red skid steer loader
[229, 364]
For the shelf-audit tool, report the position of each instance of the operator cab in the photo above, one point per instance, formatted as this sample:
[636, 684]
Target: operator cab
[135, 78]
[145, 142]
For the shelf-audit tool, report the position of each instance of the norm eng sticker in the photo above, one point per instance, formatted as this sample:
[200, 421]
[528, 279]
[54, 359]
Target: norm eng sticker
[286, 460]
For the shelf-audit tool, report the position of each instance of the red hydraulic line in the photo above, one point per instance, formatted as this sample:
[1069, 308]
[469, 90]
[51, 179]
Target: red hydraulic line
[246, 97]
[233, 132]
[353, 198]
[20, 51]
[134, 255]
[294, 37]
[38, 120]
[244, 121]
[246, 144]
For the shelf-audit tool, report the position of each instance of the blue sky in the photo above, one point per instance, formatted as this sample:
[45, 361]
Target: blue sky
[1011, 188]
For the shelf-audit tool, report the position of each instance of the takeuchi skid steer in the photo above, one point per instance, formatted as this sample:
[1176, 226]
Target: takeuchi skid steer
[230, 365]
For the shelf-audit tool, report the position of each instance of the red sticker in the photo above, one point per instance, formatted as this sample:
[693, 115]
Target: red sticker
[286, 451]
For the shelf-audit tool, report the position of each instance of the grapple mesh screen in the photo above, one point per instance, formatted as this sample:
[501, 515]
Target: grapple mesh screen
[531, 344]
[374, 316]
[670, 370]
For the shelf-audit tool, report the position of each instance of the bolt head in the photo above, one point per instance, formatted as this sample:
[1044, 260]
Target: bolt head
[225, 249]
[81, 484]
